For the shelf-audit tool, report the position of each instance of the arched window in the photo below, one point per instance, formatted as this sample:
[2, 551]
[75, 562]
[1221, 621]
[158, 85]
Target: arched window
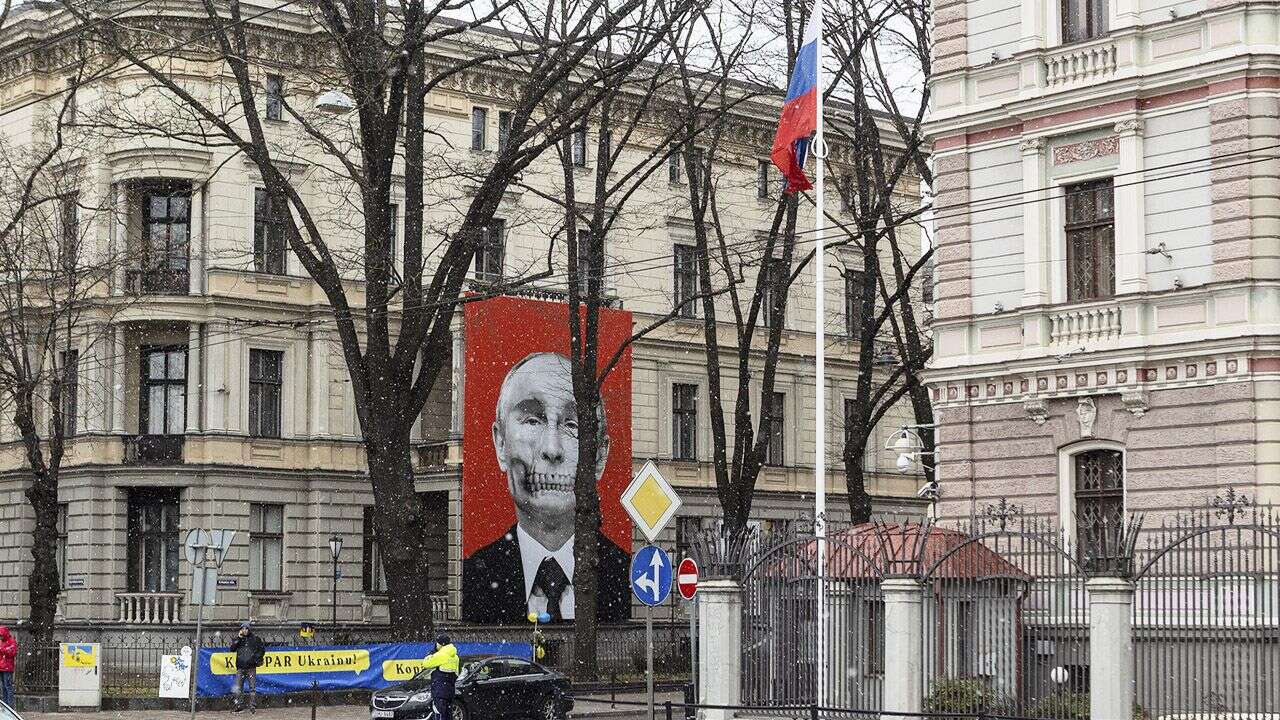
[1099, 501]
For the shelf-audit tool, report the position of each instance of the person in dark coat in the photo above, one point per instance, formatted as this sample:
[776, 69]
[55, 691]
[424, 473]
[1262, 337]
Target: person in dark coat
[250, 652]
[530, 569]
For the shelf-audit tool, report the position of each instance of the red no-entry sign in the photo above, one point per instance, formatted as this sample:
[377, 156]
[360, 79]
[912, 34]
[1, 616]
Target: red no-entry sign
[687, 578]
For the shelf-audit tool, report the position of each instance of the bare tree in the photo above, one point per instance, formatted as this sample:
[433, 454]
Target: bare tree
[880, 122]
[724, 260]
[386, 57]
[53, 280]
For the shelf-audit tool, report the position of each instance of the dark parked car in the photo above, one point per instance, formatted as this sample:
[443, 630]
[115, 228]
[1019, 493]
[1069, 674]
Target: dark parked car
[496, 687]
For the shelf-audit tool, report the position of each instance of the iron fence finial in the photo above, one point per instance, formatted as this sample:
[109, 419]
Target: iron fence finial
[1230, 505]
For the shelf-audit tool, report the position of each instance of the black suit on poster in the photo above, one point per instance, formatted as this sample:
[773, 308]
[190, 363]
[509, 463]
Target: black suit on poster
[493, 583]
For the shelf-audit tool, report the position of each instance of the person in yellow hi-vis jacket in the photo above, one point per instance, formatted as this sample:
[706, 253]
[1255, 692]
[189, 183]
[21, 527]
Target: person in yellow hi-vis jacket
[444, 665]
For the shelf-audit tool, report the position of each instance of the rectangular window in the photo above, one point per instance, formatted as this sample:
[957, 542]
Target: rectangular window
[479, 128]
[762, 179]
[853, 284]
[1083, 20]
[504, 129]
[776, 278]
[61, 552]
[268, 234]
[375, 580]
[875, 637]
[696, 170]
[1090, 232]
[846, 189]
[490, 255]
[72, 102]
[166, 227]
[775, 412]
[163, 400]
[684, 422]
[685, 269]
[266, 377]
[588, 265]
[578, 147]
[1099, 498]
[675, 166]
[275, 97]
[266, 547]
[68, 400]
[69, 220]
[153, 546]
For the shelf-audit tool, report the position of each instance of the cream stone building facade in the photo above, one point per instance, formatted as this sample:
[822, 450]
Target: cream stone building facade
[1108, 259]
[218, 397]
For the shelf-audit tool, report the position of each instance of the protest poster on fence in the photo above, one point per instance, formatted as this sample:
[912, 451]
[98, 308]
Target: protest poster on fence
[335, 667]
[175, 675]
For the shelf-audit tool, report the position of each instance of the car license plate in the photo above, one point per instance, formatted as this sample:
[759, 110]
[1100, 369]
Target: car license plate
[383, 714]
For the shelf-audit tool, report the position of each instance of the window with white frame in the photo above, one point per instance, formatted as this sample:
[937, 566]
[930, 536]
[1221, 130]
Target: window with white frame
[479, 128]
[1098, 500]
[684, 421]
[275, 97]
[266, 547]
[775, 411]
[685, 280]
[1090, 236]
[1083, 19]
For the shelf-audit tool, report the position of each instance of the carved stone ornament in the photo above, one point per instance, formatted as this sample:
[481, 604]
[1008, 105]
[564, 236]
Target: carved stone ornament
[1086, 150]
[1135, 401]
[1036, 408]
[1033, 145]
[1129, 126]
[1086, 413]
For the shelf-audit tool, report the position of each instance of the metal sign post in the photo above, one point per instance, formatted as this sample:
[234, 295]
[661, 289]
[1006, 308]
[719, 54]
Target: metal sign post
[651, 584]
[204, 583]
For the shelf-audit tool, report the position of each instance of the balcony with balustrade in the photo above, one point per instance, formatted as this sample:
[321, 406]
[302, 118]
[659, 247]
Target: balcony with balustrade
[149, 608]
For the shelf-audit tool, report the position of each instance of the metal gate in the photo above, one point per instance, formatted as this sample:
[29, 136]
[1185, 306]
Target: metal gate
[781, 648]
[1006, 620]
[1207, 613]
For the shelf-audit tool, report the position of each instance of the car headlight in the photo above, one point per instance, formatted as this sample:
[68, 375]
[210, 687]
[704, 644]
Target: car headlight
[422, 697]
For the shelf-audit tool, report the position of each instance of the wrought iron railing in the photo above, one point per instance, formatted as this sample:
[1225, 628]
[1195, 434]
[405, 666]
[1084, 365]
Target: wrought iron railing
[158, 282]
[153, 449]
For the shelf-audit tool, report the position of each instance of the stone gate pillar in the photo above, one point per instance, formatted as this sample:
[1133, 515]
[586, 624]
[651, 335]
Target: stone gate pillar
[719, 646]
[1110, 648]
[903, 644]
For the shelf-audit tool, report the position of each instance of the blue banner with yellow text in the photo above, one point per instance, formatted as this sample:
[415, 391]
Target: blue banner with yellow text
[336, 667]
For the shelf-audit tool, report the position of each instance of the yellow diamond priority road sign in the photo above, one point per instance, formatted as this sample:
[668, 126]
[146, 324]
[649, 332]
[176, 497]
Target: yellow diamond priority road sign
[650, 501]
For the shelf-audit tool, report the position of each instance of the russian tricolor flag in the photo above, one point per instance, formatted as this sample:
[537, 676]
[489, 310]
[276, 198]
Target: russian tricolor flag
[799, 119]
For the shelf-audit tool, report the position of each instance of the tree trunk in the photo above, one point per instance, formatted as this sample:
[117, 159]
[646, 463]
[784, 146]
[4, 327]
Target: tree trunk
[401, 526]
[586, 528]
[43, 583]
[856, 478]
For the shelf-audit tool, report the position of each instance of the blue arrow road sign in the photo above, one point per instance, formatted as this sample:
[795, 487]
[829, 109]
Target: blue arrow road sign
[651, 575]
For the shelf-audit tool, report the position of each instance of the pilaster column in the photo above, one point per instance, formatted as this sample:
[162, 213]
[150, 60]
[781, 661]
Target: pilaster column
[117, 379]
[1130, 211]
[196, 247]
[1110, 647]
[719, 646]
[119, 237]
[1035, 226]
[1033, 25]
[195, 378]
[953, 289]
[1124, 14]
[903, 614]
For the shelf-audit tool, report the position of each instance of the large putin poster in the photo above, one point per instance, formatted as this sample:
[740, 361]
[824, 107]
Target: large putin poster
[520, 457]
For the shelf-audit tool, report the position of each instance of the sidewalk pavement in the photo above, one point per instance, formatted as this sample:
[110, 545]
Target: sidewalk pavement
[583, 709]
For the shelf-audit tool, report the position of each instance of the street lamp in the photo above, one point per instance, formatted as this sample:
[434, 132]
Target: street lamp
[335, 549]
[335, 102]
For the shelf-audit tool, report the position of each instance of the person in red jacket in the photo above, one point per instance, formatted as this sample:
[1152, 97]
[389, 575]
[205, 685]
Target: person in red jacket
[8, 651]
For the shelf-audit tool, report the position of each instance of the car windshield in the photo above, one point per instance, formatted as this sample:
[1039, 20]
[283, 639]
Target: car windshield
[7, 714]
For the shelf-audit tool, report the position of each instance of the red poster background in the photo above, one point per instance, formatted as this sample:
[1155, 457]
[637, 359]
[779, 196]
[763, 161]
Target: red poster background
[500, 332]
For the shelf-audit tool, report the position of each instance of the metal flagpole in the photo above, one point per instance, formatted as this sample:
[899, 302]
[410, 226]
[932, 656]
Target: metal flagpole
[820, 400]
